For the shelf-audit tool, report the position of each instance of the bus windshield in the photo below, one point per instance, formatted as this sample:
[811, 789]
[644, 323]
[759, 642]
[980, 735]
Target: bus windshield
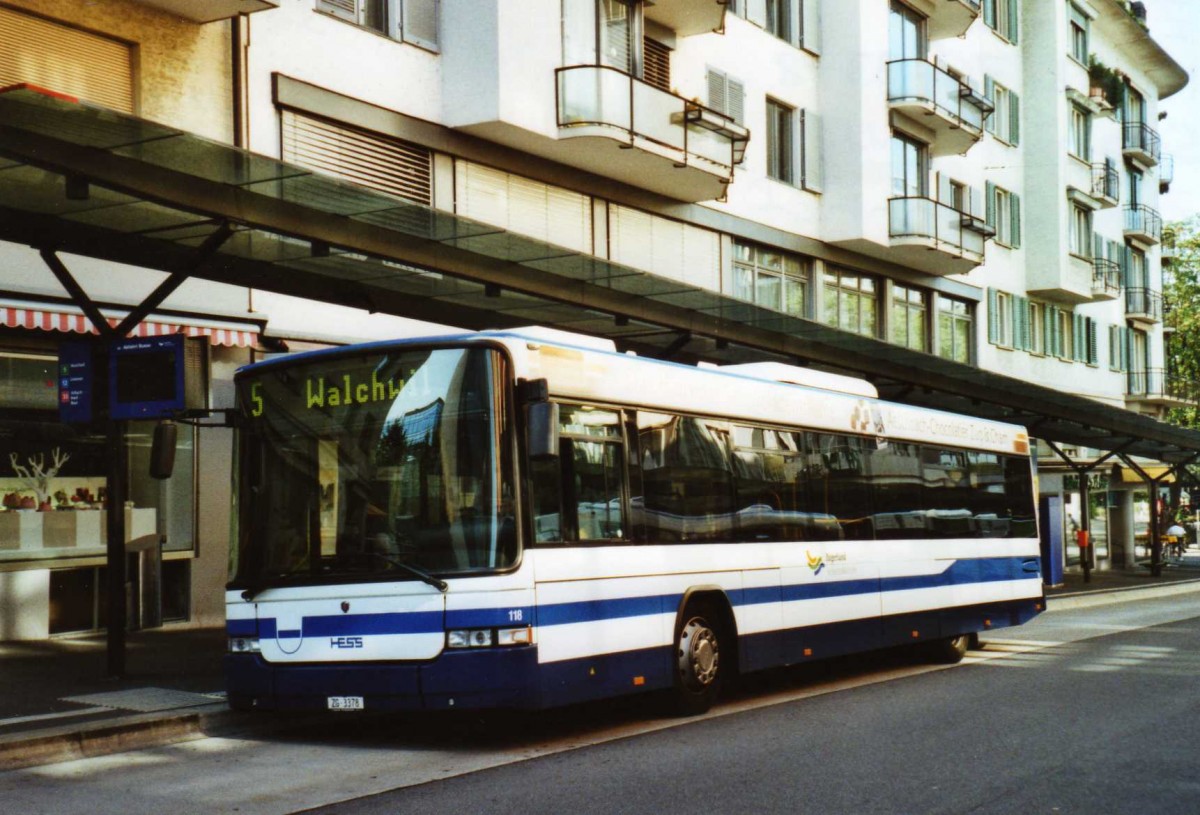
[378, 465]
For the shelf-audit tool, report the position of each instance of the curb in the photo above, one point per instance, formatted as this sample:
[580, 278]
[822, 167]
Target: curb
[70, 742]
[1089, 599]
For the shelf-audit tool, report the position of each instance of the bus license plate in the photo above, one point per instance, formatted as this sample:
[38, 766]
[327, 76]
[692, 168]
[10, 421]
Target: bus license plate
[345, 702]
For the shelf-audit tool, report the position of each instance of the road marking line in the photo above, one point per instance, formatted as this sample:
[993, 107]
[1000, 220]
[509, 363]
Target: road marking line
[87, 711]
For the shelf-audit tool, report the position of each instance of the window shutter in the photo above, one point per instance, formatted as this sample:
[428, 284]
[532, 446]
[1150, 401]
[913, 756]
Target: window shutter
[1014, 21]
[1049, 320]
[551, 214]
[1093, 348]
[735, 99]
[419, 22]
[1014, 115]
[345, 9]
[989, 13]
[1021, 323]
[656, 64]
[945, 193]
[1126, 348]
[993, 321]
[990, 205]
[1114, 354]
[717, 92]
[1078, 341]
[1015, 201]
[1097, 246]
[372, 160]
[1126, 266]
[68, 60]
[989, 90]
[810, 25]
[811, 157]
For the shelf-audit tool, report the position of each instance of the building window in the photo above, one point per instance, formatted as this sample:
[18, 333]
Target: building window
[955, 329]
[1066, 334]
[1001, 17]
[1005, 121]
[909, 310]
[1081, 231]
[1037, 328]
[770, 278]
[1004, 215]
[910, 167]
[851, 302]
[1003, 316]
[1137, 272]
[781, 144]
[1080, 133]
[906, 33]
[413, 21]
[779, 19]
[1078, 22]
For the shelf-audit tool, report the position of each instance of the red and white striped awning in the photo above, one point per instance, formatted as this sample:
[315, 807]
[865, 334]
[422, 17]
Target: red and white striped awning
[72, 320]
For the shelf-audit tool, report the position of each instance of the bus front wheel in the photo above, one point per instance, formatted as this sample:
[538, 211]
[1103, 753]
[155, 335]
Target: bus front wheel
[697, 661]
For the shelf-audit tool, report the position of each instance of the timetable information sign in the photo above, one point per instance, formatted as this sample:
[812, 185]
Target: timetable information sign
[76, 380]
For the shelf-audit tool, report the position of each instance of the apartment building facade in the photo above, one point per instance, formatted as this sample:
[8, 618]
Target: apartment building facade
[976, 181]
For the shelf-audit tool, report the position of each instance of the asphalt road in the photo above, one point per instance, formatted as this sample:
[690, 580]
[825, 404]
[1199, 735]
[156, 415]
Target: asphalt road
[1087, 711]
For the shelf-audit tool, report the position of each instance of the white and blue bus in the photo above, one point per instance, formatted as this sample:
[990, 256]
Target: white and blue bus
[526, 520]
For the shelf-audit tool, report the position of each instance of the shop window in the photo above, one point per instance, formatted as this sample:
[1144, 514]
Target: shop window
[53, 476]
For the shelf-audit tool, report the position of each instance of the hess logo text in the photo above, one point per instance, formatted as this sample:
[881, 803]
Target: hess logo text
[345, 642]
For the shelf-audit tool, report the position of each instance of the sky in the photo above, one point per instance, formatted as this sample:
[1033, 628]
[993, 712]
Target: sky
[1175, 25]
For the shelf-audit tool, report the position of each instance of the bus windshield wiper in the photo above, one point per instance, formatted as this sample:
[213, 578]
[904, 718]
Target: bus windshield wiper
[416, 572]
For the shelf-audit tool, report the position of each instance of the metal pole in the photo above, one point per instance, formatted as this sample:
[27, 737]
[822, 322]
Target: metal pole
[1085, 550]
[116, 549]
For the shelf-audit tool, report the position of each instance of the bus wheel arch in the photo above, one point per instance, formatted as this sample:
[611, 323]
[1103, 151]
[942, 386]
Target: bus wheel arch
[704, 649]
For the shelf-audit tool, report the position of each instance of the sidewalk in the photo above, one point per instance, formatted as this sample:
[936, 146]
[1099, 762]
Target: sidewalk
[57, 705]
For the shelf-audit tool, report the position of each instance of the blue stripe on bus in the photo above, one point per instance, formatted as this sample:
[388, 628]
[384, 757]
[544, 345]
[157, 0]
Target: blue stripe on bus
[960, 572]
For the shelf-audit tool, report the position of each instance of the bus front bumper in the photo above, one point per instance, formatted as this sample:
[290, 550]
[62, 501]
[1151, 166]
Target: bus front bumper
[470, 679]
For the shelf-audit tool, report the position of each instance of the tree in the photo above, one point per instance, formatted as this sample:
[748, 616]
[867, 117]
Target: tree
[1181, 294]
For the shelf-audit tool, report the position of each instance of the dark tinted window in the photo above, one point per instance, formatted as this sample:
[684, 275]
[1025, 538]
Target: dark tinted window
[579, 497]
[840, 482]
[686, 481]
[949, 496]
[771, 488]
[896, 481]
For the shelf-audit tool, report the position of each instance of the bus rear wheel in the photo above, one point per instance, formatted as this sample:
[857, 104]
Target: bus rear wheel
[697, 661]
[951, 650]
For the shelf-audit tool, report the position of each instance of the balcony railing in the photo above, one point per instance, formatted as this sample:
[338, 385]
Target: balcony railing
[959, 107]
[1156, 383]
[643, 115]
[943, 227]
[1143, 304]
[1166, 173]
[1106, 278]
[1106, 182]
[1141, 141]
[1143, 222]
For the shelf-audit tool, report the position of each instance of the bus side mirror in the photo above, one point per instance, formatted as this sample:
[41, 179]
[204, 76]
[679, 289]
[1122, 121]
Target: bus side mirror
[162, 450]
[542, 426]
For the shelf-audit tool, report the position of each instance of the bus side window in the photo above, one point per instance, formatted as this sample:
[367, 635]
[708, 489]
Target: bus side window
[688, 480]
[592, 462]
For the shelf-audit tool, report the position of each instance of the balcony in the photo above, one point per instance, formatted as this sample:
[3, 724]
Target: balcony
[1166, 174]
[1106, 183]
[1143, 224]
[621, 127]
[1106, 279]
[1141, 143]
[933, 237]
[210, 10]
[1143, 305]
[950, 107]
[951, 18]
[1160, 387]
[687, 17]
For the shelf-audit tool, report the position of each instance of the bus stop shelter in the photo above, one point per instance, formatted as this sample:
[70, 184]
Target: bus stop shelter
[89, 181]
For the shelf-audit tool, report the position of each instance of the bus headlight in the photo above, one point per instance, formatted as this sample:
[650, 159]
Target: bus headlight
[488, 637]
[244, 645]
